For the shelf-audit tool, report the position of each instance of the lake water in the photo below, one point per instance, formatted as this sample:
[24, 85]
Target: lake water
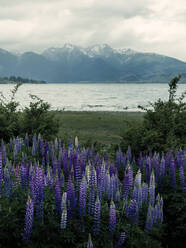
[92, 97]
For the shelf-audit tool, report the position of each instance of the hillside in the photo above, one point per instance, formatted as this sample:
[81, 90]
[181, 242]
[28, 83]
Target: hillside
[98, 63]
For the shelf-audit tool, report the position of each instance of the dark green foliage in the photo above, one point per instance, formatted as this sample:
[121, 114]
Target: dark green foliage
[9, 116]
[37, 118]
[13, 79]
[163, 127]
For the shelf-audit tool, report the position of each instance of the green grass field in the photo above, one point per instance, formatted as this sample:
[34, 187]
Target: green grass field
[102, 127]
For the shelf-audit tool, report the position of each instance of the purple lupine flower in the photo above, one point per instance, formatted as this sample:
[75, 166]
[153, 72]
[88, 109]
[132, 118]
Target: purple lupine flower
[102, 181]
[121, 240]
[173, 174]
[92, 176]
[149, 219]
[97, 216]
[63, 201]
[132, 211]
[28, 220]
[33, 149]
[71, 193]
[152, 189]
[63, 223]
[24, 177]
[137, 180]
[82, 196]
[145, 192]
[7, 182]
[129, 154]
[90, 244]
[120, 159]
[91, 201]
[3, 149]
[126, 183]
[117, 196]
[130, 174]
[112, 185]
[181, 176]
[137, 195]
[112, 218]
[26, 140]
[159, 209]
[77, 170]
[107, 185]
[58, 196]
[162, 169]
[148, 168]
[1, 172]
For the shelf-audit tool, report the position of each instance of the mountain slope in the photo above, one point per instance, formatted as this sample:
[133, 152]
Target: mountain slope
[98, 63]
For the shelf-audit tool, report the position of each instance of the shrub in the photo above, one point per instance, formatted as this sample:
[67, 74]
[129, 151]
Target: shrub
[163, 127]
[35, 119]
[9, 116]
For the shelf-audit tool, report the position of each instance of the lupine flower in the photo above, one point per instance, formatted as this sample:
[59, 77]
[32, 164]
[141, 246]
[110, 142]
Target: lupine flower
[64, 218]
[28, 220]
[132, 211]
[129, 154]
[7, 182]
[91, 201]
[97, 216]
[127, 183]
[112, 218]
[152, 189]
[58, 196]
[71, 193]
[117, 196]
[76, 142]
[149, 219]
[82, 196]
[1, 172]
[26, 140]
[120, 159]
[77, 171]
[181, 176]
[63, 201]
[121, 240]
[3, 149]
[137, 181]
[172, 174]
[90, 244]
[145, 192]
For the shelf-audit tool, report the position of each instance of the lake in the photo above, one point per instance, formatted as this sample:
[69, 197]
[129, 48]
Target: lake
[92, 97]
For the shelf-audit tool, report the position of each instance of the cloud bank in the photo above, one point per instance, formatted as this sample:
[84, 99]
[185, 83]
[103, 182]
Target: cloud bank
[144, 25]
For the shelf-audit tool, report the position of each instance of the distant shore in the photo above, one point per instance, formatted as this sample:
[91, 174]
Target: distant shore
[15, 80]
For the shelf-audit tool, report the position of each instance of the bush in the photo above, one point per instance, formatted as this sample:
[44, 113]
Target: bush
[35, 119]
[163, 127]
[9, 116]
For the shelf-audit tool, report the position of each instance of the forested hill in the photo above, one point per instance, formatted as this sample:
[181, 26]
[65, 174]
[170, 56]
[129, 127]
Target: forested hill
[98, 63]
[13, 80]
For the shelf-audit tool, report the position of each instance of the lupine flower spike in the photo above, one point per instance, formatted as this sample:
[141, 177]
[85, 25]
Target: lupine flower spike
[90, 244]
[28, 219]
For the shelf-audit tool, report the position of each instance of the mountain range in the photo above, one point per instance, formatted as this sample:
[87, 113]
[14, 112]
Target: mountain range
[98, 63]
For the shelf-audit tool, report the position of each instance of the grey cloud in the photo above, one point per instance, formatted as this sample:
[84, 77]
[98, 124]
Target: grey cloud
[139, 24]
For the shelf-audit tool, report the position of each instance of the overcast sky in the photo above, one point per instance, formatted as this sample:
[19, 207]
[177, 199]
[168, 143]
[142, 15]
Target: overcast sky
[144, 25]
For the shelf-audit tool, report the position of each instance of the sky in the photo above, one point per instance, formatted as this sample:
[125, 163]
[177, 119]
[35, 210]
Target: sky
[144, 25]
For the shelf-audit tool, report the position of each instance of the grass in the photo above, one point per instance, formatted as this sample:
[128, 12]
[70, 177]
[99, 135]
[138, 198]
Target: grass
[103, 127]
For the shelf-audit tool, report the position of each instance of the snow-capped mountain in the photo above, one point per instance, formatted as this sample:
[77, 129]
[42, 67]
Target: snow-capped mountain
[96, 63]
[98, 50]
